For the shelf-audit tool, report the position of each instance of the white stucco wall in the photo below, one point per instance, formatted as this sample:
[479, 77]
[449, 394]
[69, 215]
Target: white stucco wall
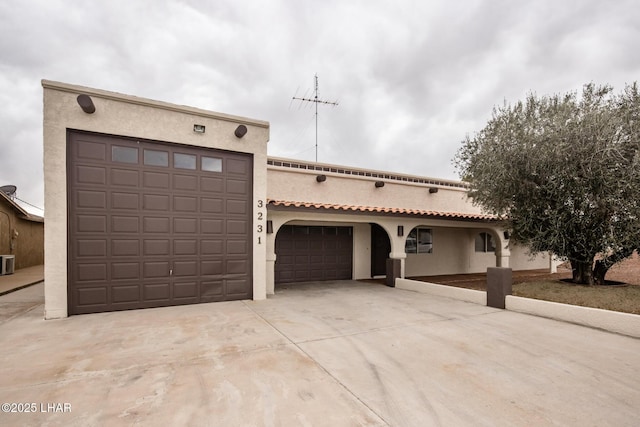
[125, 115]
[300, 185]
[521, 259]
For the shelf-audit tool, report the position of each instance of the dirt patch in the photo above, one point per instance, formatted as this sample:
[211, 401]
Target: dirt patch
[621, 294]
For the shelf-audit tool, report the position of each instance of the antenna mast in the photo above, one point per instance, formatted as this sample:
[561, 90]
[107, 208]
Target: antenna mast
[316, 101]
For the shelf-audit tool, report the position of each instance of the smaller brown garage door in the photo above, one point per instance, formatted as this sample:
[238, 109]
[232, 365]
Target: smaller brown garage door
[309, 253]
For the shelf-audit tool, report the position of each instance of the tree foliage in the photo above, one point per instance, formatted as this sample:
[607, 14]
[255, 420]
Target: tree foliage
[564, 170]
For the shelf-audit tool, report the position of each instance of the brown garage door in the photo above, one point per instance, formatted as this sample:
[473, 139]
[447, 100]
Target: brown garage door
[308, 253]
[154, 224]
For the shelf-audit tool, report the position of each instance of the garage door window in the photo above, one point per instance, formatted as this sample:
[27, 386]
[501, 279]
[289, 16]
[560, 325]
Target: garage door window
[184, 161]
[156, 158]
[124, 154]
[211, 164]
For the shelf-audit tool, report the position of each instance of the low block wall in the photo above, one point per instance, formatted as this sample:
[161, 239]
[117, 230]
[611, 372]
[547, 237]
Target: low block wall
[469, 295]
[613, 321]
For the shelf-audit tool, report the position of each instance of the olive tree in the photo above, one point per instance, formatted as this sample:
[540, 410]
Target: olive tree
[564, 173]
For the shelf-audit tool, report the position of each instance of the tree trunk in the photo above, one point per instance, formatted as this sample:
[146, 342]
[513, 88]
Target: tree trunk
[582, 272]
[599, 271]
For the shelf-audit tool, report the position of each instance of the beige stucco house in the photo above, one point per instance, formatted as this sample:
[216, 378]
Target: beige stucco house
[152, 204]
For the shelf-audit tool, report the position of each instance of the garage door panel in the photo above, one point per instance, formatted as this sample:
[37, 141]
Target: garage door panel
[237, 287]
[91, 271]
[235, 226]
[156, 247]
[185, 247]
[91, 175]
[238, 166]
[155, 180]
[185, 268]
[185, 290]
[125, 177]
[209, 205]
[211, 247]
[237, 266]
[120, 200]
[152, 224]
[125, 293]
[124, 224]
[212, 185]
[237, 247]
[156, 291]
[91, 223]
[212, 290]
[91, 247]
[88, 150]
[153, 269]
[185, 204]
[91, 199]
[236, 186]
[93, 296]
[212, 226]
[185, 225]
[185, 182]
[212, 267]
[125, 270]
[237, 207]
[155, 202]
[155, 224]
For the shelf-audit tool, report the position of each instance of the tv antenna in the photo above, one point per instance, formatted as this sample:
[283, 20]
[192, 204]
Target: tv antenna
[316, 101]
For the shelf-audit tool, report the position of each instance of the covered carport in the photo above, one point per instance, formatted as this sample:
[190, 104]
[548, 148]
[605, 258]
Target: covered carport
[317, 241]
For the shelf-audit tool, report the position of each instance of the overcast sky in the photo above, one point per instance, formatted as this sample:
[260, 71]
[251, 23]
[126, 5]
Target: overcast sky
[412, 77]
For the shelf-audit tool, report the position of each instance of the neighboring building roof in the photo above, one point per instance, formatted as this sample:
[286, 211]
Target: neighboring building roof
[381, 210]
[21, 212]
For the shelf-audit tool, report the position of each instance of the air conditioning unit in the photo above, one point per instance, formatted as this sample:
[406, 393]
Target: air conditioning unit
[7, 264]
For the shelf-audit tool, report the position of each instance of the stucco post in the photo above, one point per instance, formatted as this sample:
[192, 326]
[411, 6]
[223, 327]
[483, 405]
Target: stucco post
[498, 286]
[402, 256]
[553, 268]
[397, 245]
[502, 249]
[271, 266]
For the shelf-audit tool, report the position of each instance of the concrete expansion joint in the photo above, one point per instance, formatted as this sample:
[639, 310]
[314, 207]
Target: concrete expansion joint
[319, 365]
[22, 313]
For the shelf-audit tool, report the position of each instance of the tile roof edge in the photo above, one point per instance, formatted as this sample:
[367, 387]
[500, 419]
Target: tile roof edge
[357, 208]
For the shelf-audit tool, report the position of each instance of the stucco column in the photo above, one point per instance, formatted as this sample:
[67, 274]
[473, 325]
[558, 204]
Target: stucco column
[271, 280]
[271, 264]
[503, 260]
[502, 249]
[553, 268]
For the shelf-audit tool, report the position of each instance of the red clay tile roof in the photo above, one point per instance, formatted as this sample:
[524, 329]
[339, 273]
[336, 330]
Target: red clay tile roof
[365, 209]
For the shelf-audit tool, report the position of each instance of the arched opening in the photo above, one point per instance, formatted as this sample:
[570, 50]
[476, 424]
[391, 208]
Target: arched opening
[380, 249]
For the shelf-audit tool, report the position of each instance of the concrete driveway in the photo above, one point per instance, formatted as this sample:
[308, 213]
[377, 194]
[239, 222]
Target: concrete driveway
[320, 354]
